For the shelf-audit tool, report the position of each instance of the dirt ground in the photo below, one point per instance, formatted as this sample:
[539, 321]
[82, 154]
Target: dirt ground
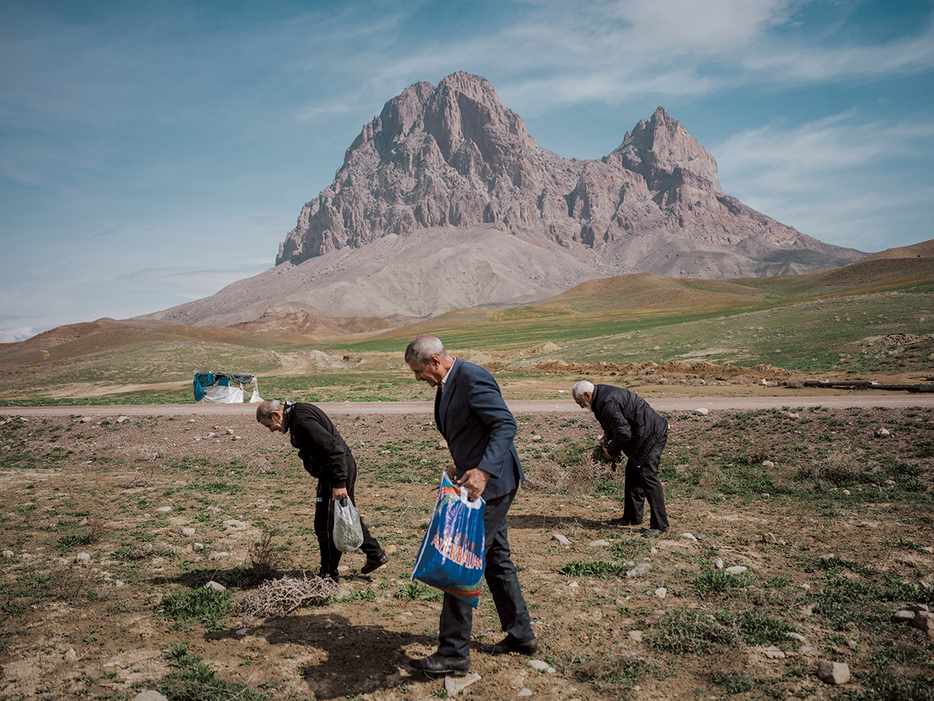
[125, 488]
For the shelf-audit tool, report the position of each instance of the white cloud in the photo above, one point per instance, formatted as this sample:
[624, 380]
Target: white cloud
[828, 178]
[16, 335]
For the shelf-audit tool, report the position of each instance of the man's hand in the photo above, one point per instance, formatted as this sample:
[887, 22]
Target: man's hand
[475, 480]
[606, 454]
[339, 493]
[452, 473]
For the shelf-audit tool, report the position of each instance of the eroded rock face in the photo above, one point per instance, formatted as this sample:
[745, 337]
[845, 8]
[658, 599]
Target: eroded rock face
[452, 155]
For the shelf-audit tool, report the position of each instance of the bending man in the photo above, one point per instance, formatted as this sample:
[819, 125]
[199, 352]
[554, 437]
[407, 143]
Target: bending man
[327, 457]
[633, 428]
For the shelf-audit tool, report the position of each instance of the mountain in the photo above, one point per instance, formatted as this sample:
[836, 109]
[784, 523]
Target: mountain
[445, 200]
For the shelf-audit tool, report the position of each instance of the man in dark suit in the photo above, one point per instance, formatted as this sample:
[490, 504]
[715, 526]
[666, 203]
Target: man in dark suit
[479, 429]
[634, 429]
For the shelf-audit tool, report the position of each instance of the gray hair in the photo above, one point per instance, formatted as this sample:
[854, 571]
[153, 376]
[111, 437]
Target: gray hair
[265, 409]
[577, 391]
[423, 346]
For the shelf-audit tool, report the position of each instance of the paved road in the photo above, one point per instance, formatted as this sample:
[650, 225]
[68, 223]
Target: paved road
[852, 399]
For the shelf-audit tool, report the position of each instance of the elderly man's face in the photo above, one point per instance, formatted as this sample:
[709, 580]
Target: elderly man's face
[274, 422]
[431, 372]
[584, 400]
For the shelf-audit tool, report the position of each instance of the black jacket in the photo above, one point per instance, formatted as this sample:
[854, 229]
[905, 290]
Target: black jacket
[630, 425]
[324, 453]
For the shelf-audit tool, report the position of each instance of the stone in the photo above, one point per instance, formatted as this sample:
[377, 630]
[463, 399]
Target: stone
[164, 509]
[635, 636]
[770, 538]
[639, 570]
[689, 536]
[523, 692]
[218, 556]
[773, 653]
[149, 695]
[718, 563]
[70, 656]
[924, 621]
[661, 592]
[560, 538]
[216, 586]
[833, 672]
[541, 666]
[598, 544]
[736, 569]
[188, 531]
[454, 685]
[702, 411]
[82, 557]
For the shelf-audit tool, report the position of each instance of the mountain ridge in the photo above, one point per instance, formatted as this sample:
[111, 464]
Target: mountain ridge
[444, 200]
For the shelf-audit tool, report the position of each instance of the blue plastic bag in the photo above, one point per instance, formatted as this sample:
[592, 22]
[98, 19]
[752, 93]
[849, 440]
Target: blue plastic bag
[452, 554]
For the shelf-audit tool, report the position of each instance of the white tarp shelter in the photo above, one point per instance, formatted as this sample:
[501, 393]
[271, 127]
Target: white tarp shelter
[224, 388]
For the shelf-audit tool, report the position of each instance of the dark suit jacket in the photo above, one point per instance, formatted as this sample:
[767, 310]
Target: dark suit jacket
[478, 427]
[322, 450]
[630, 425]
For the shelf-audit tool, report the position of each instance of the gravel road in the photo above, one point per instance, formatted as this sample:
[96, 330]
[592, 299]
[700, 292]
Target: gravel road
[853, 399]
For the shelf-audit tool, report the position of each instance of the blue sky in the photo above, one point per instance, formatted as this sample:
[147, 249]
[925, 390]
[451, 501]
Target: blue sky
[152, 153]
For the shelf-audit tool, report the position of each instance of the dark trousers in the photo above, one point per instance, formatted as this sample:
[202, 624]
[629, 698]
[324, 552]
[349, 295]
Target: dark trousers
[642, 485]
[324, 526]
[457, 614]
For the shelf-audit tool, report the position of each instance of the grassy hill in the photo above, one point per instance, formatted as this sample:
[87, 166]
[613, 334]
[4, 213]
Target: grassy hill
[873, 316]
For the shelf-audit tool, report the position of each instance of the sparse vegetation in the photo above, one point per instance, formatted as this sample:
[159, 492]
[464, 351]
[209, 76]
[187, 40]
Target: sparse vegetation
[837, 545]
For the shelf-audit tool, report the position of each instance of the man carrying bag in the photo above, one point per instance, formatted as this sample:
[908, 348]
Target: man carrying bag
[479, 429]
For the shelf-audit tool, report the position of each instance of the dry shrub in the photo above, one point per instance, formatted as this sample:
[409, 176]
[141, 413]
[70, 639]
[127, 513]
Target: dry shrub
[839, 468]
[794, 382]
[96, 530]
[263, 556]
[577, 475]
[134, 482]
[278, 597]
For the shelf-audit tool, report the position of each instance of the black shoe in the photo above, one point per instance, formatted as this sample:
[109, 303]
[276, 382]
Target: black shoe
[624, 522]
[510, 644]
[333, 576]
[374, 563]
[439, 664]
[649, 532]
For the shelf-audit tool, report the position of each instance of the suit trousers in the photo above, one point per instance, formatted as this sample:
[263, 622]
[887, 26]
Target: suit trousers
[500, 574]
[324, 526]
[642, 485]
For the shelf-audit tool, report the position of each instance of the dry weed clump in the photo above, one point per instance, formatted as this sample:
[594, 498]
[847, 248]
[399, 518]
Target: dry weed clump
[279, 597]
[839, 468]
[574, 470]
[134, 482]
[264, 557]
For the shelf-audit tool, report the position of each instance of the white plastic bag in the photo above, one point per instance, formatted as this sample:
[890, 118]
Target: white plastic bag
[348, 533]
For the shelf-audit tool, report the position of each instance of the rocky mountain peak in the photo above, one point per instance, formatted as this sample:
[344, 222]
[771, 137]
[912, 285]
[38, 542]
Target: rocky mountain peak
[660, 145]
[454, 156]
